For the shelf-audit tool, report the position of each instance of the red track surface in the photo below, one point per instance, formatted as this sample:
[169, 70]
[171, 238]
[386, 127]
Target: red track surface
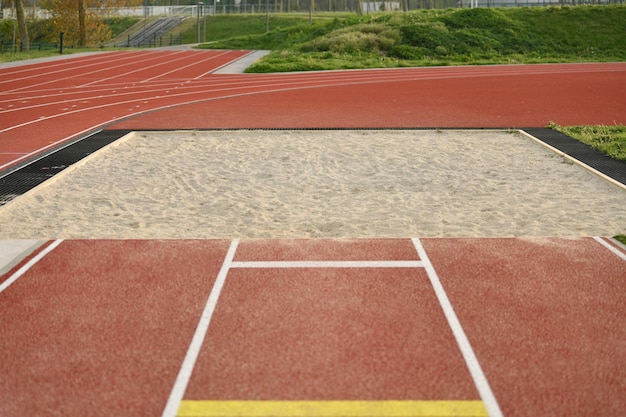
[110, 328]
[101, 327]
[46, 104]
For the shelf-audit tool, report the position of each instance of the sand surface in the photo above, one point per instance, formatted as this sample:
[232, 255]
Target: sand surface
[260, 184]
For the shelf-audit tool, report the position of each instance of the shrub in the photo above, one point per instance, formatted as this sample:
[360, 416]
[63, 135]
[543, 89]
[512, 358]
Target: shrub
[407, 52]
[479, 18]
[427, 35]
[358, 38]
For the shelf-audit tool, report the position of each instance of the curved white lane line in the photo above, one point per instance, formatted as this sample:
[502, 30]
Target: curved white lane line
[45, 74]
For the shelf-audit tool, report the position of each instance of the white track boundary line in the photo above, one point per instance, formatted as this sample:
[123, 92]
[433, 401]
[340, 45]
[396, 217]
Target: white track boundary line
[480, 380]
[574, 160]
[328, 264]
[609, 247]
[186, 369]
[29, 265]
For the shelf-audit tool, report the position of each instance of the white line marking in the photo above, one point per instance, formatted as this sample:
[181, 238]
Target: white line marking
[55, 79]
[609, 247]
[29, 265]
[14, 251]
[328, 264]
[186, 369]
[574, 160]
[484, 390]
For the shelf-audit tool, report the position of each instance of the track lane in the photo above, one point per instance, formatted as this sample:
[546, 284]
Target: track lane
[499, 101]
[133, 68]
[106, 329]
[413, 97]
[543, 315]
[42, 75]
[546, 318]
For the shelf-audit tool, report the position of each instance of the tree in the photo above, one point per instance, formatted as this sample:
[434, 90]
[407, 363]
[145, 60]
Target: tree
[21, 25]
[79, 19]
[82, 30]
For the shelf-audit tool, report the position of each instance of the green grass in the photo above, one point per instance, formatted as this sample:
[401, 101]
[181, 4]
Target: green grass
[248, 31]
[621, 238]
[120, 24]
[610, 140]
[426, 37]
[418, 38]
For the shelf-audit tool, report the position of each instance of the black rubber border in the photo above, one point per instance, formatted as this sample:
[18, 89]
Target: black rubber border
[581, 152]
[29, 175]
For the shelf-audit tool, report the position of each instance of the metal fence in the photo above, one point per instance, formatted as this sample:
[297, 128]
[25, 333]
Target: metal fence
[210, 7]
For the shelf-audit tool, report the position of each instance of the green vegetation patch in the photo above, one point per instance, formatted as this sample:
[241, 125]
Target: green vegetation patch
[422, 37]
[119, 25]
[610, 140]
[427, 37]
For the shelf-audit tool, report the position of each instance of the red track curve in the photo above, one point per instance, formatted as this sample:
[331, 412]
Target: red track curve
[44, 105]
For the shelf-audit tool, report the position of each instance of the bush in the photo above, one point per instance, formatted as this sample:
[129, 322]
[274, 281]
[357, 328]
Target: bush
[407, 52]
[358, 38]
[427, 35]
[493, 20]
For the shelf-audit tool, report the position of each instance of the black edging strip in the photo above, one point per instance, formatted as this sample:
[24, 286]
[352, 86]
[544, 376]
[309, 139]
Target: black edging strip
[36, 172]
[582, 152]
[43, 168]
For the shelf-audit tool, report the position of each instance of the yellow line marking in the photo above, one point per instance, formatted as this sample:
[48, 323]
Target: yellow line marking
[332, 409]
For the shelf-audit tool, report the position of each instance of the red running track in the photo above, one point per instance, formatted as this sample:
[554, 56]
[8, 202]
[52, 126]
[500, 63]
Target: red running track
[104, 328]
[44, 105]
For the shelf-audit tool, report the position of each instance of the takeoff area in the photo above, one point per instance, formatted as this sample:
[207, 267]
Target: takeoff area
[321, 327]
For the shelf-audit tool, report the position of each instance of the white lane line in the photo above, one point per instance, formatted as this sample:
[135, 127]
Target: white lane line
[194, 63]
[127, 73]
[29, 265]
[609, 247]
[68, 63]
[66, 69]
[186, 369]
[14, 251]
[328, 264]
[484, 390]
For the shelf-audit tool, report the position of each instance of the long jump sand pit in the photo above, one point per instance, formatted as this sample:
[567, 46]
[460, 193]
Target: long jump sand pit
[336, 183]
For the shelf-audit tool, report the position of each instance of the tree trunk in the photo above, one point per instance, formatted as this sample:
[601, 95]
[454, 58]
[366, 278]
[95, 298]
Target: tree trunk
[21, 26]
[82, 30]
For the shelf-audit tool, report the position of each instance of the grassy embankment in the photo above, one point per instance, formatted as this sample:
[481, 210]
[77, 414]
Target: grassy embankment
[426, 37]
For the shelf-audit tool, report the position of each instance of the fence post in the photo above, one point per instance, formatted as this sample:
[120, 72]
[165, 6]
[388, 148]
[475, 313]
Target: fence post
[61, 43]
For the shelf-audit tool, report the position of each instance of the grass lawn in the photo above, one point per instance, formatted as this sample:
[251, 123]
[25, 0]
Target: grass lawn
[425, 37]
[610, 140]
